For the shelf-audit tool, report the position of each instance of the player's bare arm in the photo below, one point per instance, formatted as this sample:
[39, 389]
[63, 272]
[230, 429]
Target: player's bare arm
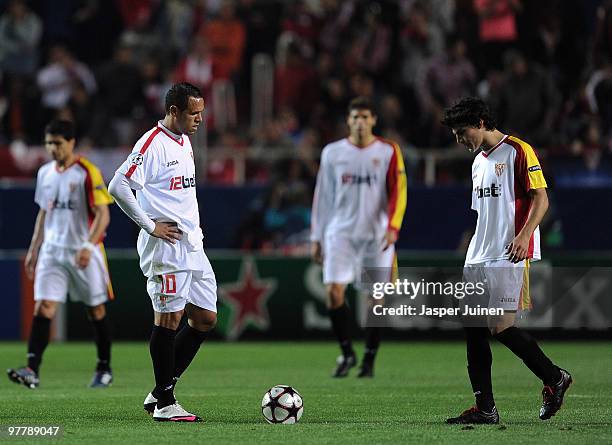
[96, 232]
[519, 247]
[37, 240]
[390, 238]
[316, 252]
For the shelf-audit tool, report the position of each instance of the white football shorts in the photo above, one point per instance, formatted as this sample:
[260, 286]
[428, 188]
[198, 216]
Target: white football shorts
[344, 259]
[172, 291]
[503, 283]
[57, 275]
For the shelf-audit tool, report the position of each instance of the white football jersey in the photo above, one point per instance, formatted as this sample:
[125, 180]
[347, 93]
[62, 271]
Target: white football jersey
[502, 178]
[360, 191]
[162, 171]
[69, 197]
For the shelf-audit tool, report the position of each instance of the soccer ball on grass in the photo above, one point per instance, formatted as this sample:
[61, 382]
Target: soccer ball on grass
[282, 404]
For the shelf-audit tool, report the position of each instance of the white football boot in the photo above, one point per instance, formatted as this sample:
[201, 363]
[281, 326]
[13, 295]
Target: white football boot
[174, 413]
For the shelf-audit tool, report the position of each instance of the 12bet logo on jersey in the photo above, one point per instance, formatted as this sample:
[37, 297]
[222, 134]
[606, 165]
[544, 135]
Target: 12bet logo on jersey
[488, 192]
[182, 182]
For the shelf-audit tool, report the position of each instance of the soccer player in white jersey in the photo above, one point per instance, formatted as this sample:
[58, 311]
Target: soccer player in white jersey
[66, 254]
[180, 279]
[509, 195]
[357, 212]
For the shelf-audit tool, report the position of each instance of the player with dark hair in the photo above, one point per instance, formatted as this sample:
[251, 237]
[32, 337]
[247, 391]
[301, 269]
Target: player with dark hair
[180, 279]
[66, 254]
[509, 195]
[357, 212]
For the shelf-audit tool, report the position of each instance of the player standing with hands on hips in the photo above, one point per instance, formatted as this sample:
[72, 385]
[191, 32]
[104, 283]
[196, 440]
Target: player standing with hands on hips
[357, 212]
[180, 279]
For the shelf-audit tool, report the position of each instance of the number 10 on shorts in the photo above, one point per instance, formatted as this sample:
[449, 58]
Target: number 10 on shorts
[168, 284]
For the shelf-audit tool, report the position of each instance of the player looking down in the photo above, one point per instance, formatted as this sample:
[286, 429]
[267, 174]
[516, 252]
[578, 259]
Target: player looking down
[357, 212]
[180, 279]
[66, 254]
[509, 195]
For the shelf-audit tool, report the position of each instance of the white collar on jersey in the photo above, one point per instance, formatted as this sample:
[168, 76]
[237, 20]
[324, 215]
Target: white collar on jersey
[171, 133]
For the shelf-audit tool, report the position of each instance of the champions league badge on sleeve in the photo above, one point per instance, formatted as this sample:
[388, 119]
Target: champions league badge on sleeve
[135, 159]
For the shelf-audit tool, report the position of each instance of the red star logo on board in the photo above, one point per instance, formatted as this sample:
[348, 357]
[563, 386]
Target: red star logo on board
[248, 298]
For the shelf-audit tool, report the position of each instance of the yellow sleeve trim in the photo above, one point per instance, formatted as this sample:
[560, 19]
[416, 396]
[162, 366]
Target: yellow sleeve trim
[402, 188]
[534, 170]
[100, 192]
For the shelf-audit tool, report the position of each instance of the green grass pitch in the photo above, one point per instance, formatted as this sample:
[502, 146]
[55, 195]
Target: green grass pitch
[417, 385]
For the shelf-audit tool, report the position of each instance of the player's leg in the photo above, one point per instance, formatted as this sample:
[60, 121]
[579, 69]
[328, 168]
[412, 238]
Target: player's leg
[44, 311]
[168, 294]
[201, 319]
[338, 270]
[161, 348]
[507, 284]
[372, 343]
[556, 380]
[189, 339]
[479, 359]
[385, 264]
[340, 316]
[50, 288]
[103, 376]
[92, 287]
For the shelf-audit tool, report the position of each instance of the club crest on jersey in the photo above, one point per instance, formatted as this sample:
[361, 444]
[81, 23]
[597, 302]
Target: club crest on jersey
[136, 158]
[72, 186]
[499, 168]
[375, 162]
[182, 182]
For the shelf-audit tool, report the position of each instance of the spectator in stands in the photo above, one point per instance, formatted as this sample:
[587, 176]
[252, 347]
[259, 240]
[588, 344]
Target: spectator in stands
[136, 14]
[226, 37]
[419, 39]
[177, 23]
[498, 31]
[296, 83]
[287, 215]
[370, 47]
[154, 88]
[20, 31]
[198, 67]
[300, 22]
[81, 110]
[528, 102]
[447, 77]
[596, 166]
[336, 23]
[57, 79]
[598, 92]
[602, 40]
[120, 97]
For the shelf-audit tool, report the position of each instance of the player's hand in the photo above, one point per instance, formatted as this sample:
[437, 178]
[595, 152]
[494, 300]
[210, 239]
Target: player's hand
[82, 258]
[518, 249]
[167, 231]
[390, 238]
[30, 262]
[316, 252]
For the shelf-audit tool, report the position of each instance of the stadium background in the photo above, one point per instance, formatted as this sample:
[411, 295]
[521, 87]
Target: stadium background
[277, 77]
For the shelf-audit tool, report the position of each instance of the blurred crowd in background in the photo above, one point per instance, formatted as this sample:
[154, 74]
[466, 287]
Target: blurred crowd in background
[544, 66]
